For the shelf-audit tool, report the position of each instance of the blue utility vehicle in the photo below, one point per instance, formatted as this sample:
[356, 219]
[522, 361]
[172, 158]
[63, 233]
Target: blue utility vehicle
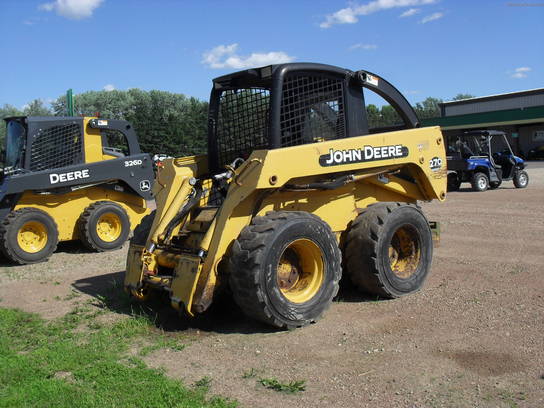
[485, 159]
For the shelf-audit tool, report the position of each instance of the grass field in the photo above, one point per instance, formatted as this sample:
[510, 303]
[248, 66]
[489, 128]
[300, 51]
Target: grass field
[77, 361]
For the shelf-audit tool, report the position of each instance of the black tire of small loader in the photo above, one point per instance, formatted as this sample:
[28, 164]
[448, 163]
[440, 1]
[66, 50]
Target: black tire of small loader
[87, 226]
[454, 182]
[521, 179]
[475, 182]
[142, 230]
[9, 228]
[253, 266]
[367, 249]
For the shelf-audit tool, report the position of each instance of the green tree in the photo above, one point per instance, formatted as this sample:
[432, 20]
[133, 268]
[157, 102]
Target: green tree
[429, 108]
[37, 108]
[373, 116]
[390, 116]
[165, 122]
[382, 117]
[461, 96]
[107, 104]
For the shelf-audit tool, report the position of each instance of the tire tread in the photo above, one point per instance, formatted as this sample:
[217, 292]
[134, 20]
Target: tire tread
[83, 225]
[361, 248]
[8, 222]
[247, 256]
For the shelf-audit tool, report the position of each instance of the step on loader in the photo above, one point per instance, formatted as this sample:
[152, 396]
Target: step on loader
[67, 178]
[295, 189]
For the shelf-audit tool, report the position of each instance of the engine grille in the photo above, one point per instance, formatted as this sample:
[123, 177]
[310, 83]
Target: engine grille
[312, 110]
[56, 147]
[242, 123]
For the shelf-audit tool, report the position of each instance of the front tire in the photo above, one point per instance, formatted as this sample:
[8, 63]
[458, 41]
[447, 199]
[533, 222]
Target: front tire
[104, 226]
[480, 182]
[389, 250]
[28, 236]
[521, 179]
[285, 268]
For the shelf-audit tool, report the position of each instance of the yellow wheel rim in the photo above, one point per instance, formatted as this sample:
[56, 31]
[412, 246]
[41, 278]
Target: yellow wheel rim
[404, 252]
[109, 227]
[300, 271]
[32, 237]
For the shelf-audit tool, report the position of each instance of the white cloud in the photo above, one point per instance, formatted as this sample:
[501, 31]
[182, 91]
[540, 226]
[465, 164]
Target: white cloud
[363, 47]
[349, 15]
[432, 17]
[226, 56]
[520, 72]
[109, 87]
[72, 9]
[410, 12]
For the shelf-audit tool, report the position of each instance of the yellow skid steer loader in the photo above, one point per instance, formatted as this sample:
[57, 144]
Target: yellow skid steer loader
[295, 189]
[67, 178]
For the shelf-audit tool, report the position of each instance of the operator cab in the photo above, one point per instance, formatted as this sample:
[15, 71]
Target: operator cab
[292, 104]
[36, 143]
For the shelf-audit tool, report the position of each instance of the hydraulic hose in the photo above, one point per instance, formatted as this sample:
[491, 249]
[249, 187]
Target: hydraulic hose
[180, 216]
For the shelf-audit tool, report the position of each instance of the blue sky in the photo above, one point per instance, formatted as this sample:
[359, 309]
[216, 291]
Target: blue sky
[424, 47]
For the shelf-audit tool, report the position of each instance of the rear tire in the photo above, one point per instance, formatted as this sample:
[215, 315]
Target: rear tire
[480, 182]
[389, 250]
[104, 226]
[521, 179]
[28, 236]
[285, 268]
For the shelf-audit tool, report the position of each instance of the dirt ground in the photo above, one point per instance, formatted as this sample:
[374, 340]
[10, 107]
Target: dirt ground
[473, 337]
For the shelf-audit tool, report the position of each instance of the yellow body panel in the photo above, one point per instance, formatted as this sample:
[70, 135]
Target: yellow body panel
[93, 144]
[259, 186]
[65, 209]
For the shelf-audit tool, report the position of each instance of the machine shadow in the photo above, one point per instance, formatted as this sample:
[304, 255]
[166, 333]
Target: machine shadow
[348, 293]
[68, 247]
[72, 247]
[223, 316]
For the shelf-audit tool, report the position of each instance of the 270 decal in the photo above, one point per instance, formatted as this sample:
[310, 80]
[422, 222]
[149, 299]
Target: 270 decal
[435, 163]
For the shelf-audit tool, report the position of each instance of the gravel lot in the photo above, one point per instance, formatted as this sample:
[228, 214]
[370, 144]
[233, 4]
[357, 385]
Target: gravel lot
[474, 337]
